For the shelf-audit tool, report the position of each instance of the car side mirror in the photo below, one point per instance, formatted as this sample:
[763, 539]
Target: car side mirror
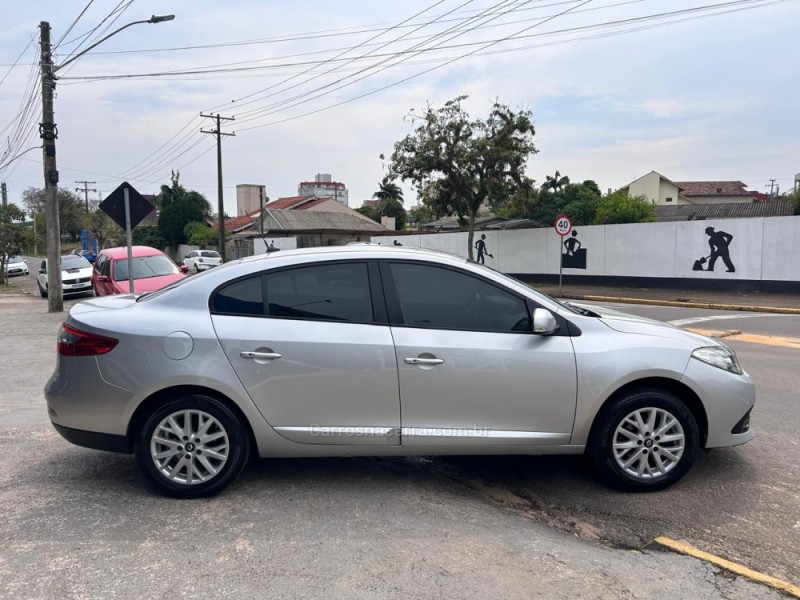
[102, 279]
[544, 323]
[184, 269]
[42, 271]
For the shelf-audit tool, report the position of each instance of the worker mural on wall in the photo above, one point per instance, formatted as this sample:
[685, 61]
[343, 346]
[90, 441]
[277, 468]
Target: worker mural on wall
[718, 243]
[574, 256]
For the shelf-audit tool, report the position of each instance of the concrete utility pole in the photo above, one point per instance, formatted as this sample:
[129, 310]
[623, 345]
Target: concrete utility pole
[220, 209]
[49, 134]
[86, 189]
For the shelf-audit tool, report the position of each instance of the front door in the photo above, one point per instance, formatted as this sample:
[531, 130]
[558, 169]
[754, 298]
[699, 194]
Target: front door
[471, 371]
[311, 351]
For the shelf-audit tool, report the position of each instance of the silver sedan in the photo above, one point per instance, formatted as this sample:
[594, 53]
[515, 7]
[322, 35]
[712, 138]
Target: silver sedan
[370, 350]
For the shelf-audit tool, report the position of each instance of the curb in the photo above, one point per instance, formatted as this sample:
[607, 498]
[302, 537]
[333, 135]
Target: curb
[688, 304]
[670, 545]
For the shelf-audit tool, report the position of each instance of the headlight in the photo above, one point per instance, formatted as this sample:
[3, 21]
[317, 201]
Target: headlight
[721, 357]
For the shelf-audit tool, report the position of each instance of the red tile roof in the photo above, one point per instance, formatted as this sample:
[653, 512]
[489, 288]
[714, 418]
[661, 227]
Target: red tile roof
[289, 203]
[712, 188]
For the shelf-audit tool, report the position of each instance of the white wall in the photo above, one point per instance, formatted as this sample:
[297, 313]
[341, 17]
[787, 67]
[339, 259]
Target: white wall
[761, 249]
[282, 243]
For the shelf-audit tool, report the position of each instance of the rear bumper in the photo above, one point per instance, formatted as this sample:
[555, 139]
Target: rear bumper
[94, 439]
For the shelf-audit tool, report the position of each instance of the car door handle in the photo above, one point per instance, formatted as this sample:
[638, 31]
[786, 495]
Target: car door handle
[260, 355]
[423, 361]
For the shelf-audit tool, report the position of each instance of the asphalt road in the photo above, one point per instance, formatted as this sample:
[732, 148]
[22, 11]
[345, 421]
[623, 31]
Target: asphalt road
[79, 523]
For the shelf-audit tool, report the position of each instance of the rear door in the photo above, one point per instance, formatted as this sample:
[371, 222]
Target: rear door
[312, 346]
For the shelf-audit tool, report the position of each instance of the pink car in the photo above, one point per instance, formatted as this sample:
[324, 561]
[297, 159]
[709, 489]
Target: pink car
[152, 270]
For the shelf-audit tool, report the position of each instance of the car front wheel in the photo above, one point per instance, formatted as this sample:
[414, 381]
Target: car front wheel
[192, 447]
[645, 441]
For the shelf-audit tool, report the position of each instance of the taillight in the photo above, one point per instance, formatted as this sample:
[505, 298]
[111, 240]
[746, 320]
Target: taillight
[73, 342]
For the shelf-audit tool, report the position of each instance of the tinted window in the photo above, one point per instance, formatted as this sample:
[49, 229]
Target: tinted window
[208, 253]
[74, 261]
[243, 297]
[331, 292]
[144, 267]
[445, 299]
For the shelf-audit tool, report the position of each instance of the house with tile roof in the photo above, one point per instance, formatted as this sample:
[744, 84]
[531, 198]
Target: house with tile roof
[658, 189]
[715, 192]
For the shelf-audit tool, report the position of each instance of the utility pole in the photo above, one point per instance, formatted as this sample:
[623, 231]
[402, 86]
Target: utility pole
[220, 209]
[4, 193]
[86, 189]
[49, 134]
[771, 188]
[261, 198]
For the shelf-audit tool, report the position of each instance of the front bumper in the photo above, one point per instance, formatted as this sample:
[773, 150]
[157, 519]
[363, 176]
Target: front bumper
[727, 399]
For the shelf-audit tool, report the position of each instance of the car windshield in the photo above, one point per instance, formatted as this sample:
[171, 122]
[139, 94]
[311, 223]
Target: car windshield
[209, 254]
[73, 261]
[145, 267]
[15, 259]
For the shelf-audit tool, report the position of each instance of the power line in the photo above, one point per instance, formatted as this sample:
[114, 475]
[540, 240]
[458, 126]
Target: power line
[75, 22]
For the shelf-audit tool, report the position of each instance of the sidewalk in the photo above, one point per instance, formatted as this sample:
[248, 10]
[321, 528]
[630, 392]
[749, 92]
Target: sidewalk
[749, 301]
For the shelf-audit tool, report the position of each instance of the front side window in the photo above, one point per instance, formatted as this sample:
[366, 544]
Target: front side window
[328, 292]
[145, 267]
[440, 298]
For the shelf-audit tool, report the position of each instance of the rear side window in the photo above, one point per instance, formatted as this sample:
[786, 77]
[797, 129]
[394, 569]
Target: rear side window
[244, 297]
[328, 292]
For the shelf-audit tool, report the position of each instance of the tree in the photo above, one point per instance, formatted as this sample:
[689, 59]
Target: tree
[556, 182]
[388, 190]
[200, 234]
[793, 198]
[457, 164]
[71, 211]
[102, 228]
[522, 204]
[619, 207]
[148, 235]
[179, 207]
[580, 201]
[13, 235]
[422, 214]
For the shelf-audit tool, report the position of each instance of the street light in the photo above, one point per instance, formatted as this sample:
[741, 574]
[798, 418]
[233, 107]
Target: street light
[49, 134]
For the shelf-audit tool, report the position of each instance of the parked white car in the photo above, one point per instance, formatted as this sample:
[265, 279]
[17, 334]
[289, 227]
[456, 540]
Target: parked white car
[15, 265]
[201, 260]
[76, 276]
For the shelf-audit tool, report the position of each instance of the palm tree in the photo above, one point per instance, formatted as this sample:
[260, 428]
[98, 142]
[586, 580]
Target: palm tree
[555, 183]
[388, 190]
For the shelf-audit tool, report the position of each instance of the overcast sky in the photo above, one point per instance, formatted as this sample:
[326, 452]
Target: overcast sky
[711, 98]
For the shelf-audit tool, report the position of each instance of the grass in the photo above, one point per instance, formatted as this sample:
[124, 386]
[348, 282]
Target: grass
[9, 288]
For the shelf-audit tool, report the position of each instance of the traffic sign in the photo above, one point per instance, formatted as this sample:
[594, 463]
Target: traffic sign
[114, 205]
[563, 225]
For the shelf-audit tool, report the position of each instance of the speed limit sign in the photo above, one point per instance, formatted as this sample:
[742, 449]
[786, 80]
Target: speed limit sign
[563, 225]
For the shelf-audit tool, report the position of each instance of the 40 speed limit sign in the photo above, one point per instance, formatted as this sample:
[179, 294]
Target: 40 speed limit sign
[563, 225]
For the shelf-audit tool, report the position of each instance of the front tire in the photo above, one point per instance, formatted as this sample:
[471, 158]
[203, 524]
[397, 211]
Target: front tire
[42, 293]
[645, 441]
[192, 447]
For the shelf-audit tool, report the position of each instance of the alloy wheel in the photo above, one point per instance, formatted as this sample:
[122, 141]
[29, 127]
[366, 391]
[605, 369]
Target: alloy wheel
[648, 443]
[189, 447]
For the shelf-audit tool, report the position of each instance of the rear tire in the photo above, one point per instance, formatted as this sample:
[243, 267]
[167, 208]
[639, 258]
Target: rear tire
[645, 441]
[192, 447]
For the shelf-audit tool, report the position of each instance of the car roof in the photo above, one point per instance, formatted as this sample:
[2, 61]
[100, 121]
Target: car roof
[360, 250]
[122, 251]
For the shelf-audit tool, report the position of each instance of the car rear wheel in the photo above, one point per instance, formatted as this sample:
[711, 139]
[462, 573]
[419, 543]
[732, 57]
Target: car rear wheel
[645, 441]
[192, 447]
